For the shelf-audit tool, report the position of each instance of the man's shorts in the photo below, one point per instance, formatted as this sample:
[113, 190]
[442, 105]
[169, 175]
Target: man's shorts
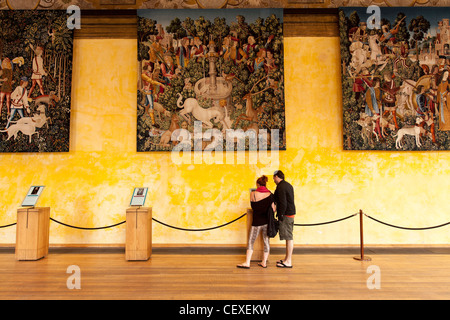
[286, 228]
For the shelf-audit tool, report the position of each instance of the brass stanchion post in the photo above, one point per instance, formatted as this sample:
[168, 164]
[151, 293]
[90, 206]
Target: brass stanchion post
[361, 237]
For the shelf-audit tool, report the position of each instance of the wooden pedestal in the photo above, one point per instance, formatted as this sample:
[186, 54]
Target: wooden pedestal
[32, 233]
[258, 247]
[139, 234]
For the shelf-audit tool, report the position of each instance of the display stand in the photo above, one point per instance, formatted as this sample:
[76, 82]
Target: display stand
[139, 233]
[258, 247]
[32, 233]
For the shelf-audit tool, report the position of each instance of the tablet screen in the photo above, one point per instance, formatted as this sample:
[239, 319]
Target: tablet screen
[138, 198]
[32, 196]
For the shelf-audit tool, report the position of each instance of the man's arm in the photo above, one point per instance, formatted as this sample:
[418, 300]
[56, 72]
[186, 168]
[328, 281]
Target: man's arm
[282, 202]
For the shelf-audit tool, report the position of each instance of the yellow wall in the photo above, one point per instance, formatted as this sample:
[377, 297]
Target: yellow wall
[91, 185]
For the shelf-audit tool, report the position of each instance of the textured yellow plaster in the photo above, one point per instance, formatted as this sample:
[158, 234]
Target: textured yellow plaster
[91, 185]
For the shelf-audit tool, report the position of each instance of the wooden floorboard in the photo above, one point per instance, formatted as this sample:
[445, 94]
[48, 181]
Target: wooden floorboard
[105, 274]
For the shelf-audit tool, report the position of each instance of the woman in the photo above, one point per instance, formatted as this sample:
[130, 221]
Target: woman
[261, 199]
[443, 103]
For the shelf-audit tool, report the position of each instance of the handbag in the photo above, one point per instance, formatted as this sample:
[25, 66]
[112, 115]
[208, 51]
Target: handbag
[273, 225]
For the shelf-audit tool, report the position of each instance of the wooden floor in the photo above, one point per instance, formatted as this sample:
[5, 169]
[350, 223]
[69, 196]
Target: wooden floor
[171, 275]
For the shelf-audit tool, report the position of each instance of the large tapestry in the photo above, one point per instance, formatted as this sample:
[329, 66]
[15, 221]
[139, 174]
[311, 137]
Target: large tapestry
[395, 70]
[35, 81]
[208, 73]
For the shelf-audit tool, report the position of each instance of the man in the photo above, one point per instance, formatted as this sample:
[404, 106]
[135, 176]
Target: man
[19, 100]
[358, 34]
[198, 50]
[235, 53]
[149, 89]
[284, 198]
[156, 51]
[374, 104]
[183, 53]
[38, 70]
[6, 80]
[389, 96]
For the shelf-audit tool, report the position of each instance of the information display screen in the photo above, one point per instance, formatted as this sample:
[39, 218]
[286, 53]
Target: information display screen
[139, 196]
[32, 196]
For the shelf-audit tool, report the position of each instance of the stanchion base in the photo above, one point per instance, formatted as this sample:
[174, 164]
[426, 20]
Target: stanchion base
[363, 258]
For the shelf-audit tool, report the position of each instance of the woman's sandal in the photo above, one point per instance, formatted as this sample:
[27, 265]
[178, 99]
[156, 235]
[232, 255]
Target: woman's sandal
[261, 265]
[282, 265]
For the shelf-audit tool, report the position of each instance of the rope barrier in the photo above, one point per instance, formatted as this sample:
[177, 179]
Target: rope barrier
[205, 229]
[186, 229]
[225, 224]
[8, 225]
[117, 224]
[407, 228]
[83, 228]
[321, 223]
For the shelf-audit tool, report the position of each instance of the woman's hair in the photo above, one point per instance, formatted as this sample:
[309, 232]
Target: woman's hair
[262, 181]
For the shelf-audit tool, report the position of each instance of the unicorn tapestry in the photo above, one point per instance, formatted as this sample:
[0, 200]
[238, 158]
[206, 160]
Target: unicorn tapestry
[209, 72]
[395, 70]
[35, 81]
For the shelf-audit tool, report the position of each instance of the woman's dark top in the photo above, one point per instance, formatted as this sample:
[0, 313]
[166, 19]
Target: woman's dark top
[260, 210]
